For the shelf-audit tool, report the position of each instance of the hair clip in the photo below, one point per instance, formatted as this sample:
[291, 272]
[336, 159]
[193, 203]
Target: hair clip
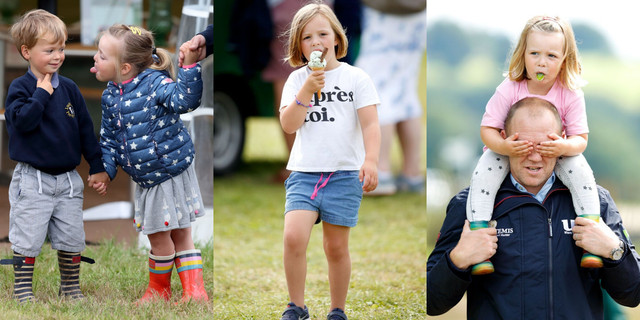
[153, 50]
[135, 30]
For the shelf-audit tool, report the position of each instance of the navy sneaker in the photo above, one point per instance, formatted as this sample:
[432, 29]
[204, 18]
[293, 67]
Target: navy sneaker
[337, 314]
[293, 312]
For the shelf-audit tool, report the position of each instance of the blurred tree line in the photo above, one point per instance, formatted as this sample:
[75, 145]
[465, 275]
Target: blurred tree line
[465, 66]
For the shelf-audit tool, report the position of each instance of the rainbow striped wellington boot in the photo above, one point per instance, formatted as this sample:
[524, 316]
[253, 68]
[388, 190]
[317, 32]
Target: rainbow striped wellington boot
[590, 260]
[69, 265]
[23, 277]
[486, 266]
[189, 266]
[160, 268]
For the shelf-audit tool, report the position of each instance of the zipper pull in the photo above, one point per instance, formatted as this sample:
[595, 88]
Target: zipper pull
[550, 229]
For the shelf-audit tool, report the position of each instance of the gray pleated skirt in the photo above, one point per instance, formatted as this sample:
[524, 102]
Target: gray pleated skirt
[173, 204]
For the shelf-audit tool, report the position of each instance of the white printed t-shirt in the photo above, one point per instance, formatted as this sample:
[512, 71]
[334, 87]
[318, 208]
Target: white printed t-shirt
[331, 137]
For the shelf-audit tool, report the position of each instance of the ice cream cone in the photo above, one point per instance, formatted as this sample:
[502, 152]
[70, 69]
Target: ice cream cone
[317, 62]
[316, 69]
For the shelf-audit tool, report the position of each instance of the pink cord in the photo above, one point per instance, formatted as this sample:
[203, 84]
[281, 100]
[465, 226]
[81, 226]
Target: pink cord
[315, 189]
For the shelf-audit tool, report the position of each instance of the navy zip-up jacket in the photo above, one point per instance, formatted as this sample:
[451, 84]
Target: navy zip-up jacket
[50, 132]
[537, 264]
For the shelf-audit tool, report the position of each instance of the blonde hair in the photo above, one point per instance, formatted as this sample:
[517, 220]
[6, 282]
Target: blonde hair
[137, 50]
[570, 72]
[37, 24]
[293, 50]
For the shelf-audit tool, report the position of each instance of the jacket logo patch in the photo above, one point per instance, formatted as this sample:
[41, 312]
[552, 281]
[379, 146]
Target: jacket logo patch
[568, 226]
[70, 112]
[504, 232]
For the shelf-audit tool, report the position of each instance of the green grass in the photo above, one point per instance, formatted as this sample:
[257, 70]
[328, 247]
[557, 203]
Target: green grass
[112, 285]
[387, 251]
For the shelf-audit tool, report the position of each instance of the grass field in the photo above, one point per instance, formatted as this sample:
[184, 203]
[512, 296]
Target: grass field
[387, 251]
[388, 246]
[112, 285]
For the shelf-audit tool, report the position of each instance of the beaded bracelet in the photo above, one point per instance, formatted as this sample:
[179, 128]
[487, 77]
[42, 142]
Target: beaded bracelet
[300, 103]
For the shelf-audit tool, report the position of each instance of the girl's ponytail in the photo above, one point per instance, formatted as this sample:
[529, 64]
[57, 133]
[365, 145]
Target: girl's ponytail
[164, 62]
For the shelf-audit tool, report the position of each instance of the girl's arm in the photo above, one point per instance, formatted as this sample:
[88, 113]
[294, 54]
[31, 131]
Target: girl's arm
[292, 116]
[181, 96]
[108, 144]
[368, 117]
[572, 146]
[509, 146]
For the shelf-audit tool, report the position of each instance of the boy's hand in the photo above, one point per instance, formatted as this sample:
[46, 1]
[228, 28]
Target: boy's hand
[197, 42]
[314, 82]
[45, 83]
[368, 174]
[190, 56]
[100, 182]
[553, 149]
[517, 148]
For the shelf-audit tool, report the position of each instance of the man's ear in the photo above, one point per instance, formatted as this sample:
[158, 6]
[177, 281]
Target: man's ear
[503, 134]
[125, 68]
[25, 52]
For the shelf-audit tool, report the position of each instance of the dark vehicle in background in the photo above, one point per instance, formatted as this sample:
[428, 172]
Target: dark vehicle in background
[236, 97]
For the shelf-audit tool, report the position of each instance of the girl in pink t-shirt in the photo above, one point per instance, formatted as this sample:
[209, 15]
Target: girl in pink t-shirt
[544, 64]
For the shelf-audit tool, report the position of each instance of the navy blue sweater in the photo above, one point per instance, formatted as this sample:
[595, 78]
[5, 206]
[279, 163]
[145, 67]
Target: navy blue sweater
[50, 132]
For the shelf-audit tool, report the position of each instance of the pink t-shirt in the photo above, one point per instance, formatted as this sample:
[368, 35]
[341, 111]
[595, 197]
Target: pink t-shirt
[570, 105]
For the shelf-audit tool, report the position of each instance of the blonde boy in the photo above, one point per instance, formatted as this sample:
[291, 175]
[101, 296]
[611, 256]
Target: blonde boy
[49, 130]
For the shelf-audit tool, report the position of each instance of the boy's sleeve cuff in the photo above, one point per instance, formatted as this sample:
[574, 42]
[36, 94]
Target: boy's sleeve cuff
[95, 166]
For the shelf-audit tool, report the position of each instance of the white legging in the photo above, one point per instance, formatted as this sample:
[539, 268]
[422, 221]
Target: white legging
[493, 168]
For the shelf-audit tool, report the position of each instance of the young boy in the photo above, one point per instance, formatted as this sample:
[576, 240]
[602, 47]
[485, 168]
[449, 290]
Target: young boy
[49, 129]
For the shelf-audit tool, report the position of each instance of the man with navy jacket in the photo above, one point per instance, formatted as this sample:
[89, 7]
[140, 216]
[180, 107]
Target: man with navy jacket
[536, 243]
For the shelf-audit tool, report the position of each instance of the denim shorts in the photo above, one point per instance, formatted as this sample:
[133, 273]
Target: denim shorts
[44, 204]
[335, 196]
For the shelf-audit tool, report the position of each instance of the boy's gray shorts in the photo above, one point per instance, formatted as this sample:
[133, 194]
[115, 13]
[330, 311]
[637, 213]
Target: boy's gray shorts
[42, 203]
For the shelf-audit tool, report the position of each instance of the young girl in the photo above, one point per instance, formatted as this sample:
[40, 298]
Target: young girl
[334, 156]
[142, 132]
[544, 64]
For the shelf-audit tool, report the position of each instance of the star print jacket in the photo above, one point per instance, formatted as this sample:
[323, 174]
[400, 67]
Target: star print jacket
[141, 127]
[537, 263]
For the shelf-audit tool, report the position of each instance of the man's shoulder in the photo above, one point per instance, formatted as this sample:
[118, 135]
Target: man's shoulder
[604, 195]
[460, 199]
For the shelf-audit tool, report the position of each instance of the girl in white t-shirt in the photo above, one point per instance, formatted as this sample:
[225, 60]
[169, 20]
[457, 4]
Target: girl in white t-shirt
[544, 64]
[334, 157]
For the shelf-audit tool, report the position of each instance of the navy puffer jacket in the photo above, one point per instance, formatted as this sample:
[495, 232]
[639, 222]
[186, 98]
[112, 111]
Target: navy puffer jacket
[141, 127]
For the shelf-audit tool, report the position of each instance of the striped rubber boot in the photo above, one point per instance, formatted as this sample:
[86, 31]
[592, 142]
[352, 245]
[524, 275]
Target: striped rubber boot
[189, 266]
[69, 264]
[160, 268]
[23, 277]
